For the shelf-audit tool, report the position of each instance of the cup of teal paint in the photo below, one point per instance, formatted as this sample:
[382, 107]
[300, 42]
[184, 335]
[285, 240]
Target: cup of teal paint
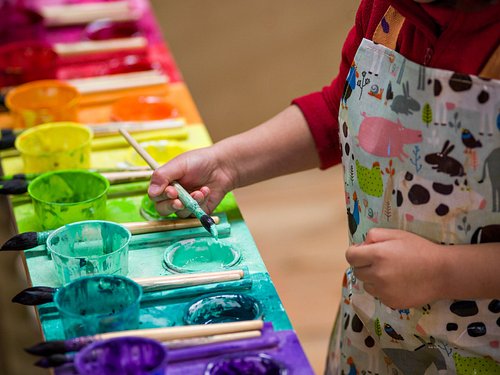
[63, 197]
[203, 254]
[222, 308]
[89, 247]
[98, 304]
[122, 355]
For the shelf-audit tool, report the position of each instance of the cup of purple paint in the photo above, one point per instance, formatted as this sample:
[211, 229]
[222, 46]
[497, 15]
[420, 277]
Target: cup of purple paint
[124, 356]
[246, 364]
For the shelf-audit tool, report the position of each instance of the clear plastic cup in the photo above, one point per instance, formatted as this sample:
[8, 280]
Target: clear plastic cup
[39, 102]
[62, 145]
[88, 248]
[64, 197]
[98, 304]
[123, 355]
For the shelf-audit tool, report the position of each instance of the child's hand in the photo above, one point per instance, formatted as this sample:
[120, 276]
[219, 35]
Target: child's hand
[399, 268]
[199, 172]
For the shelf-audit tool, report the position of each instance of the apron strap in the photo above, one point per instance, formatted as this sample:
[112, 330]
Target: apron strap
[387, 31]
[390, 25]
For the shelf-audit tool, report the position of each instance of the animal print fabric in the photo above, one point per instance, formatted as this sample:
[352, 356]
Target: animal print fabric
[420, 152]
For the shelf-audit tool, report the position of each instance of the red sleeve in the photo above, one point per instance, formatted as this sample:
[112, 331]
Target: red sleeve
[321, 108]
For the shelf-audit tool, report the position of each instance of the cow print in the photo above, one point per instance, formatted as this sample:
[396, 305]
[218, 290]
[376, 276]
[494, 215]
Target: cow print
[465, 309]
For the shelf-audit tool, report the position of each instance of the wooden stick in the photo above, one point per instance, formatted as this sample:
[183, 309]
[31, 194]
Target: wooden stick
[75, 14]
[118, 81]
[95, 46]
[111, 128]
[184, 332]
[137, 147]
[141, 227]
[191, 275]
[121, 177]
[185, 343]
[175, 282]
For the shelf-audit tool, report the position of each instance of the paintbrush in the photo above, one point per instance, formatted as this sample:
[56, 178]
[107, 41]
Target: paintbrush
[191, 349]
[20, 186]
[161, 334]
[39, 295]
[184, 196]
[28, 240]
[32, 176]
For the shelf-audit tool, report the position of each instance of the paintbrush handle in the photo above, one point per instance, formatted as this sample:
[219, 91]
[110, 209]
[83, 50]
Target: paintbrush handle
[121, 177]
[164, 225]
[188, 276]
[174, 282]
[189, 343]
[184, 332]
[95, 46]
[137, 147]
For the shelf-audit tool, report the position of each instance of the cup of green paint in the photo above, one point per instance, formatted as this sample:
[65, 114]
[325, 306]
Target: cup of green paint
[55, 146]
[63, 197]
[203, 254]
[98, 304]
[89, 247]
[222, 308]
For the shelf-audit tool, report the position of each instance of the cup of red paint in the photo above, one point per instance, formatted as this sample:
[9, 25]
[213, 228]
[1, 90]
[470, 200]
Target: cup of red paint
[123, 355]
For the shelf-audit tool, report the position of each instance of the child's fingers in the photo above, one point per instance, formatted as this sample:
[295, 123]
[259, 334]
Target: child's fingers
[375, 235]
[168, 192]
[358, 256]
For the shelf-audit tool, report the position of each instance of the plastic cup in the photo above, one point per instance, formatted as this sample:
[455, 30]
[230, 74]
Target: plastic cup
[222, 308]
[246, 364]
[98, 304]
[161, 150]
[64, 197]
[200, 255]
[142, 108]
[63, 145]
[39, 102]
[88, 248]
[124, 356]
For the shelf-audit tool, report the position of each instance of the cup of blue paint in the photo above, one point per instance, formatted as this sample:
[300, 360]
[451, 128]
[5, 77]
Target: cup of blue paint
[203, 254]
[89, 247]
[246, 364]
[222, 308]
[123, 355]
[98, 304]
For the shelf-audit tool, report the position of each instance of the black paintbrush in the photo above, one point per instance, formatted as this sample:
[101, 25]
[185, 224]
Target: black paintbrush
[28, 240]
[14, 187]
[20, 186]
[39, 295]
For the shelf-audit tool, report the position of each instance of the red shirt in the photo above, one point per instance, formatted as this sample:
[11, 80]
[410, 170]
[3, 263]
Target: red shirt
[434, 36]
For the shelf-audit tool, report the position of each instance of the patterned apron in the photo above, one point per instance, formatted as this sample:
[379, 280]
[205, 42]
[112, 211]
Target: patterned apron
[421, 152]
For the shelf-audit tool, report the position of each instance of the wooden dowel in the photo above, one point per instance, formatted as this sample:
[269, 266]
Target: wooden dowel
[175, 283]
[111, 128]
[137, 147]
[121, 177]
[186, 343]
[184, 332]
[94, 46]
[165, 225]
[187, 277]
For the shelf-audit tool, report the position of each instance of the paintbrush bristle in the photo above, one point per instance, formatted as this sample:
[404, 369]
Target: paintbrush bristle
[14, 187]
[21, 241]
[37, 295]
[207, 222]
[47, 348]
[53, 360]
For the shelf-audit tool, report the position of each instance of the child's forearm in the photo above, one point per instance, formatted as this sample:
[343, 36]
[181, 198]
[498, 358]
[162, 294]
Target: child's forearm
[279, 146]
[471, 271]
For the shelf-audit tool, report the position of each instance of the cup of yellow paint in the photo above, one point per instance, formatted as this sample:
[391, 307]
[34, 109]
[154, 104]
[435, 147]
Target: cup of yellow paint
[59, 145]
[39, 102]
[63, 197]
[89, 247]
[161, 150]
[98, 304]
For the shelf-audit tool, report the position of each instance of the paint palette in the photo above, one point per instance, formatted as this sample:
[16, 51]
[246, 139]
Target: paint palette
[201, 255]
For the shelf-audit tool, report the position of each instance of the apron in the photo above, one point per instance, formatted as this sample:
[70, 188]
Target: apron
[420, 152]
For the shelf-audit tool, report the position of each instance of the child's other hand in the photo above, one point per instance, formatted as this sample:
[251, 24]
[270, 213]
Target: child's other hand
[399, 268]
[199, 172]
